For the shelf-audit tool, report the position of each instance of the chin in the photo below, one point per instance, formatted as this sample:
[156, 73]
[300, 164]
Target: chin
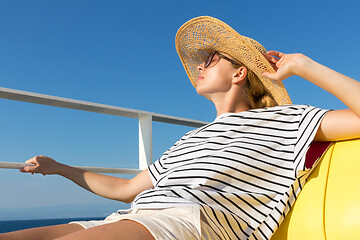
[201, 93]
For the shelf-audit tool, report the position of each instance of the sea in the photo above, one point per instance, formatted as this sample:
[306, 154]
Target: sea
[14, 225]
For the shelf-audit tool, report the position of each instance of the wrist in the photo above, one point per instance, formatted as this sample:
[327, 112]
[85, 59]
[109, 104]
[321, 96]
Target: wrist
[62, 169]
[304, 64]
[68, 171]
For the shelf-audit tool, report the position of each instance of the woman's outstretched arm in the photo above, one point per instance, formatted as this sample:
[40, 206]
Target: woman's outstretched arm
[338, 124]
[110, 187]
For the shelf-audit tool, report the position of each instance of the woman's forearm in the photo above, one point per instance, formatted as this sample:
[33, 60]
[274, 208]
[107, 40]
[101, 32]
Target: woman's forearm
[115, 188]
[102, 185]
[344, 88]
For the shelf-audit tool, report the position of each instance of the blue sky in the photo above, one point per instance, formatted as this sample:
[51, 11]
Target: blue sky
[122, 53]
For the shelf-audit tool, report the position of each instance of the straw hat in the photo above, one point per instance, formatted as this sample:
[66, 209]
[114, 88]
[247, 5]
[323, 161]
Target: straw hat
[200, 36]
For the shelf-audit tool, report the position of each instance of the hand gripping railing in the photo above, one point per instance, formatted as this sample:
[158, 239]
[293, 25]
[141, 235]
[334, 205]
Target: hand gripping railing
[145, 124]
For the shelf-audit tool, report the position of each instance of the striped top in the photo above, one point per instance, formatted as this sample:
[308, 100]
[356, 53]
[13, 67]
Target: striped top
[244, 169]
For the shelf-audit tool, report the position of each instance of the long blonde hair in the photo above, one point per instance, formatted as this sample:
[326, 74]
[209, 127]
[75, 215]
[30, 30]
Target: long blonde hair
[256, 94]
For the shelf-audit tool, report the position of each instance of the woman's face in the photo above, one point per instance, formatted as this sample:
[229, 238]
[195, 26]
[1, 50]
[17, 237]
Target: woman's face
[215, 80]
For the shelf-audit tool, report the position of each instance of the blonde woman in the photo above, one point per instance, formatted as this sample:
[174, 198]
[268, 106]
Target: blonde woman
[235, 178]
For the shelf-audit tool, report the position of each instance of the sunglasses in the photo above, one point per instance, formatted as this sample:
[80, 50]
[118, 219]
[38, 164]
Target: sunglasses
[215, 57]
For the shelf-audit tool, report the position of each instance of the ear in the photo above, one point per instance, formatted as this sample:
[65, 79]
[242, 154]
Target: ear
[240, 75]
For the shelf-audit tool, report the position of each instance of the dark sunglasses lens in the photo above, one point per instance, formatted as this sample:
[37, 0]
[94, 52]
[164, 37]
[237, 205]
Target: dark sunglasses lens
[209, 59]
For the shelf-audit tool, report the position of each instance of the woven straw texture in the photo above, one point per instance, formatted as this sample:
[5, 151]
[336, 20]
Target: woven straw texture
[202, 35]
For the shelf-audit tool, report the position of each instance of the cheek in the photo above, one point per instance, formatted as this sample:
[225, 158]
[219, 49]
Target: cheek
[214, 83]
[216, 79]
[222, 78]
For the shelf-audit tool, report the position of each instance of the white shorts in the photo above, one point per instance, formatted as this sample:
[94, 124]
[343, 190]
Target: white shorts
[169, 223]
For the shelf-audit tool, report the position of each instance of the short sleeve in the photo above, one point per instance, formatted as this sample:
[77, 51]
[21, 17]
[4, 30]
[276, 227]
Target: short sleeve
[157, 168]
[309, 123]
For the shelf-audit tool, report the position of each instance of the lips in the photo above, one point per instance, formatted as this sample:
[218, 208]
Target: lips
[200, 77]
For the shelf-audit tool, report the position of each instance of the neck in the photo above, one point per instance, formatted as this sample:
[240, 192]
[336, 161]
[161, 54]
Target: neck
[230, 105]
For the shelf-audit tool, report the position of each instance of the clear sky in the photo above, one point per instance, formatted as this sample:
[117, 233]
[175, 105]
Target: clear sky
[122, 53]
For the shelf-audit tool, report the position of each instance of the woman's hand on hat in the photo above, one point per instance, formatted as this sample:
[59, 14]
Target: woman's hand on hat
[41, 164]
[285, 65]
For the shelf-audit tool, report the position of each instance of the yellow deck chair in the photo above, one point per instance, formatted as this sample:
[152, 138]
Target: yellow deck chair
[329, 205]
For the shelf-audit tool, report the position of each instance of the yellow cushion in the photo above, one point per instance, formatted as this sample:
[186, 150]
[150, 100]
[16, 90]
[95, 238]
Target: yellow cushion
[329, 205]
[342, 204]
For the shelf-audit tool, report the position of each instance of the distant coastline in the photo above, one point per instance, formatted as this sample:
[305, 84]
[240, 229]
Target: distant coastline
[15, 225]
[61, 211]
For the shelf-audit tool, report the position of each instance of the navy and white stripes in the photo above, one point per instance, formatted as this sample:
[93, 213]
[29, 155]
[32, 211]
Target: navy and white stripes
[244, 169]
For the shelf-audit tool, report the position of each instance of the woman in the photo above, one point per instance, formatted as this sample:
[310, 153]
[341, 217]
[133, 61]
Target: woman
[235, 178]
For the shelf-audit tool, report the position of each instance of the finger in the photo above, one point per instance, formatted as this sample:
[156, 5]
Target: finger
[269, 75]
[273, 76]
[267, 56]
[270, 58]
[276, 53]
[28, 169]
[23, 170]
[32, 160]
[281, 61]
[272, 61]
[274, 66]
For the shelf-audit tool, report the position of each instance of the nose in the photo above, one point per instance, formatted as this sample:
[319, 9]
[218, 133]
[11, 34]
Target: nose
[201, 67]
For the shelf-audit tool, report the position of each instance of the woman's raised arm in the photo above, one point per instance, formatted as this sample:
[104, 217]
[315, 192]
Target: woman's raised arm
[338, 124]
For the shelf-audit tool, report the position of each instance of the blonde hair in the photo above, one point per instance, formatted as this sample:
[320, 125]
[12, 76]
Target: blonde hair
[256, 94]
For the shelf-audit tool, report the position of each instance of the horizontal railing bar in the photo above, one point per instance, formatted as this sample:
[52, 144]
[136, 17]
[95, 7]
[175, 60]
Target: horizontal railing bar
[49, 100]
[178, 120]
[14, 165]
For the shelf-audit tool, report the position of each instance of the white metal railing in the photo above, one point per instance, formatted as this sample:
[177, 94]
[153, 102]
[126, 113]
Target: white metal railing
[145, 124]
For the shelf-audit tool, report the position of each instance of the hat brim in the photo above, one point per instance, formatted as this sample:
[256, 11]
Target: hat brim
[202, 35]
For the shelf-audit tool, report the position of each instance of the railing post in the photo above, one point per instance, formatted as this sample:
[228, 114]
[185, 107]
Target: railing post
[145, 140]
